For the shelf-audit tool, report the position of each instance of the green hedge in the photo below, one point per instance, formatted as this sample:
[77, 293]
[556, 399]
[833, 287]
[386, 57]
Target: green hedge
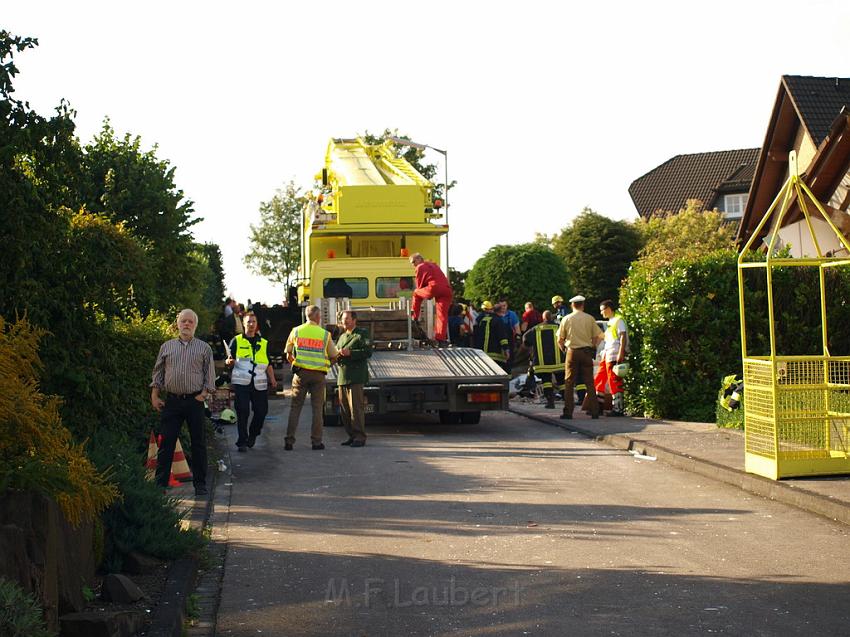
[520, 273]
[684, 328]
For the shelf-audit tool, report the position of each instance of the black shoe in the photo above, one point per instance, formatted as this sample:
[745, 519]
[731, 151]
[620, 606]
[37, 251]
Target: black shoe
[287, 446]
[549, 406]
[321, 446]
[199, 491]
[566, 416]
[252, 439]
[358, 443]
[595, 416]
[616, 414]
[242, 449]
[347, 443]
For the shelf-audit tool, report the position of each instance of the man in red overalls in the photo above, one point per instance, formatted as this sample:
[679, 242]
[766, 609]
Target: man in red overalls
[431, 283]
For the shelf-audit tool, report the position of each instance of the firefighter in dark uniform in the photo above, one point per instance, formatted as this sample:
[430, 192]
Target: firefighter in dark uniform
[491, 336]
[546, 356]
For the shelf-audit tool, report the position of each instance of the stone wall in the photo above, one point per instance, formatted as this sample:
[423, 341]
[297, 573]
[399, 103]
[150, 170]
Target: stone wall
[44, 554]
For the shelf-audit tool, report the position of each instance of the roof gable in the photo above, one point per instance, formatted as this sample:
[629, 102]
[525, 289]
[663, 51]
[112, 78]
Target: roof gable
[700, 176]
[818, 101]
[814, 103]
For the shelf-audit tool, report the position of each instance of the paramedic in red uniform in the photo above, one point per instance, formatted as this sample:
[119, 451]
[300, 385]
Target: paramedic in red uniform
[431, 283]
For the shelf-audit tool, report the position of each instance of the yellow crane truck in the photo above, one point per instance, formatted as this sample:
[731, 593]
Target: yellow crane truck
[372, 211]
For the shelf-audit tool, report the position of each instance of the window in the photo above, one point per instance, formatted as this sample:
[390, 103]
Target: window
[393, 287]
[349, 288]
[734, 205]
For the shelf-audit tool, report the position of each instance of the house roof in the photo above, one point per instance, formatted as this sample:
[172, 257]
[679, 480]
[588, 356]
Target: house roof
[701, 176]
[811, 102]
[818, 101]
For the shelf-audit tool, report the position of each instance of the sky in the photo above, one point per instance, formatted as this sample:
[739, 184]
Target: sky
[545, 108]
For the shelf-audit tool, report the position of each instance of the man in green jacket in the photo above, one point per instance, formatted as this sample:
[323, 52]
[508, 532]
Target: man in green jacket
[353, 373]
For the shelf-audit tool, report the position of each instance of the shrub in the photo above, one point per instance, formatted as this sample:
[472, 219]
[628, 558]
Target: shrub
[144, 520]
[20, 615]
[597, 252]
[525, 272]
[684, 328]
[36, 451]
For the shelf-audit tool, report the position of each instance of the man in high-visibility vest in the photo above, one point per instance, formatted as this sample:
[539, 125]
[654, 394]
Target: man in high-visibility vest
[310, 350]
[546, 357]
[616, 347]
[250, 379]
[491, 335]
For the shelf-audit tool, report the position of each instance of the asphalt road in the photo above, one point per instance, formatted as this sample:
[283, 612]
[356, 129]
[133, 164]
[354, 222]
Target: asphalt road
[512, 527]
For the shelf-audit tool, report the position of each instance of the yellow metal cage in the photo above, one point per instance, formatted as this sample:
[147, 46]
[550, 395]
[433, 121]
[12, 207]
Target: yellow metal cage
[796, 408]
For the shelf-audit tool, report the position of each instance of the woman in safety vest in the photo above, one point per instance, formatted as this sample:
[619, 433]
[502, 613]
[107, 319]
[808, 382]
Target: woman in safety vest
[250, 379]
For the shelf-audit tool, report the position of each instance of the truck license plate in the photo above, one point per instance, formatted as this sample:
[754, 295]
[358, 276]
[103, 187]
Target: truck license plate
[368, 408]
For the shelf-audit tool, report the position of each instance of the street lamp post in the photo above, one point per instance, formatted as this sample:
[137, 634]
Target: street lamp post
[445, 154]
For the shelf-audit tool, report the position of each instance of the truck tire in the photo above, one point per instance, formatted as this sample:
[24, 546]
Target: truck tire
[449, 417]
[470, 417]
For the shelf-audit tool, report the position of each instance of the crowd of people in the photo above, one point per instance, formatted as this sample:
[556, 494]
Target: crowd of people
[562, 347]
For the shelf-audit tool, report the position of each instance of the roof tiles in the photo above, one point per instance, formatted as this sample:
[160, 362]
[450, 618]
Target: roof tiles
[696, 176]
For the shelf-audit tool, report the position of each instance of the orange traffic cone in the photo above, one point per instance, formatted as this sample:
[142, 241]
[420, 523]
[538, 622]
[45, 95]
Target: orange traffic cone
[179, 467]
[150, 463]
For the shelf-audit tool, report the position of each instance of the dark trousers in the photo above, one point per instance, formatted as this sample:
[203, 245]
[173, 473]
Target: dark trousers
[249, 399]
[579, 368]
[352, 406]
[175, 412]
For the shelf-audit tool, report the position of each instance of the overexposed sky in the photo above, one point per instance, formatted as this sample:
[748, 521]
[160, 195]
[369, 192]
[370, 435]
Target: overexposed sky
[544, 107]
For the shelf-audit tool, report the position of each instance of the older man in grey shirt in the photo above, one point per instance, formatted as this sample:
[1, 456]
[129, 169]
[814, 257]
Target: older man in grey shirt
[184, 369]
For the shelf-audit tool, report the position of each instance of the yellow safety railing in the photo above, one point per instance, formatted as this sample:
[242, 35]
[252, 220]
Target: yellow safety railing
[796, 408]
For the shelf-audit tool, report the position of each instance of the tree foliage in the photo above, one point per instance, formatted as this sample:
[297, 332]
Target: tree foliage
[276, 241]
[37, 451]
[598, 252]
[457, 279]
[684, 332]
[414, 156]
[133, 186]
[97, 238]
[689, 233]
[520, 273]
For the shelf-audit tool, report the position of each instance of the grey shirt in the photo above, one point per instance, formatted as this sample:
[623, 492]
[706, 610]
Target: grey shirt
[184, 367]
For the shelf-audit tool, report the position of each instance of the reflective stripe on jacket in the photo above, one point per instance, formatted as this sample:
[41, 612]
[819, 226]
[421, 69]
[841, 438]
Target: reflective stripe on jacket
[491, 336]
[547, 356]
[250, 363]
[311, 347]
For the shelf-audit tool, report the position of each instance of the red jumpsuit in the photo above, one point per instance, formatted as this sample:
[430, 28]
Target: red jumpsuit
[431, 283]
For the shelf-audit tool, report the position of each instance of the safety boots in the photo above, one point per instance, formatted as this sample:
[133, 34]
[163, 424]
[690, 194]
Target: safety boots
[549, 395]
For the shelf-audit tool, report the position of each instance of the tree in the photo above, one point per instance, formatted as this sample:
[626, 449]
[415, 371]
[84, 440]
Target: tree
[597, 252]
[457, 279]
[414, 156]
[213, 292]
[520, 273]
[276, 242]
[690, 233]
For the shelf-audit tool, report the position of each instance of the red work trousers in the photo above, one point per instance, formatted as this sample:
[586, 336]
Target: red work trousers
[442, 296]
[606, 375]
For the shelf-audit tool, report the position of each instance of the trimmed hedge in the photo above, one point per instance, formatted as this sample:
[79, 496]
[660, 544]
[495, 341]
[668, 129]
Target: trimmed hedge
[520, 273]
[684, 328]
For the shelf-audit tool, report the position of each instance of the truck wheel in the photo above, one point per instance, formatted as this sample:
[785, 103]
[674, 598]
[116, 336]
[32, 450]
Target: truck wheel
[470, 417]
[330, 420]
[449, 417]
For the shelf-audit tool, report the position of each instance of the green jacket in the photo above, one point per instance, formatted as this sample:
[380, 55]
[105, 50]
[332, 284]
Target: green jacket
[354, 369]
